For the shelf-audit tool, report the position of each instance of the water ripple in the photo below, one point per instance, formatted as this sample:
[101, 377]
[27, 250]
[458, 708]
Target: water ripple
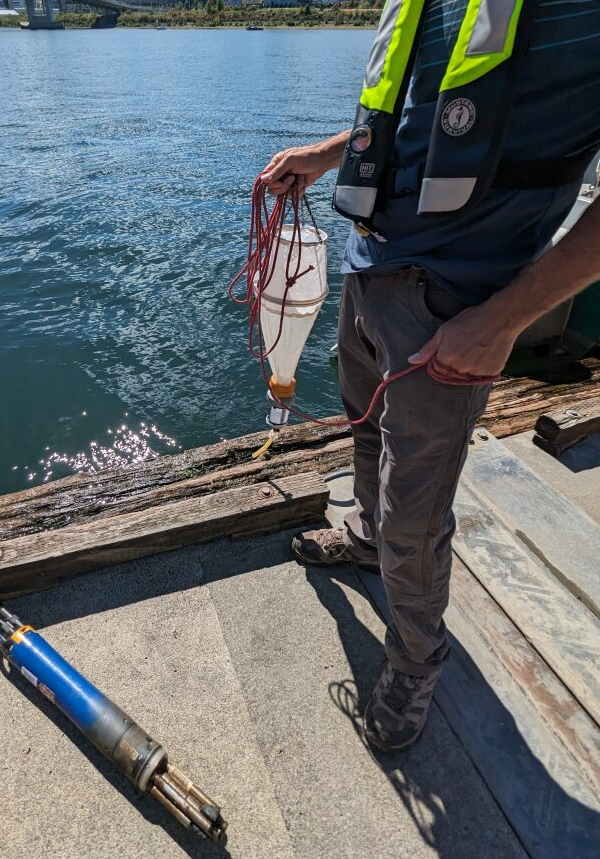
[126, 177]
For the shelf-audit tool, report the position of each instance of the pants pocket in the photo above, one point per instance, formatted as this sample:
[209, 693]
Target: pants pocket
[436, 304]
[381, 288]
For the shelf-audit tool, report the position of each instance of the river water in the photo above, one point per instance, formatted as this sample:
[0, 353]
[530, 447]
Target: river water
[126, 163]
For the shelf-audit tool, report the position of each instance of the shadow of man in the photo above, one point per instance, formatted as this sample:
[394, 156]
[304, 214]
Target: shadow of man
[438, 783]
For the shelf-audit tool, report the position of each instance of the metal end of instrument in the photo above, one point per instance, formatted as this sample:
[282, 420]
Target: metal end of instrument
[9, 624]
[187, 802]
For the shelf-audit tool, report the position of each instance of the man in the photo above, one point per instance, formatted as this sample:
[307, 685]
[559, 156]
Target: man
[460, 289]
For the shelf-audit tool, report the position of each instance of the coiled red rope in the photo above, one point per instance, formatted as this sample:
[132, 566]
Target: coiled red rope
[263, 246]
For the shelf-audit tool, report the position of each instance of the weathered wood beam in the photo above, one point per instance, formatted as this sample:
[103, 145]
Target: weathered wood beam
[516, 403]
[557, 431]
[514, 406]
[35, 562]
[191, 474]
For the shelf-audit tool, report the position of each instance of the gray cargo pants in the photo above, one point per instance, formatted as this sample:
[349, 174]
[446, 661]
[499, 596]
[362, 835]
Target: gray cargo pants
[408, 456]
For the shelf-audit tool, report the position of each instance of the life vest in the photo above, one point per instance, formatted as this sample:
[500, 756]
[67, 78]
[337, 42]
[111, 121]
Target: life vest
[475, 97]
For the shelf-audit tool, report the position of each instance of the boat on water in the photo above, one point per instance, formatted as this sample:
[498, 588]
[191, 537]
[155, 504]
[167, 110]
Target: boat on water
[254, 27]
[46, 25]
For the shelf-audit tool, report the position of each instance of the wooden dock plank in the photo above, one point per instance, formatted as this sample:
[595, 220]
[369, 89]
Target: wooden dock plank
[516, 403]
[557, 708]
[565, 539]
[32, 562]
[195, 473]
[562, 630]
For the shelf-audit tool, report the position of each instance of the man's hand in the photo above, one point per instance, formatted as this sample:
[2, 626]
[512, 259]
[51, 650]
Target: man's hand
[471, 344]
[303, 165]
[479, 340]
[300, 165]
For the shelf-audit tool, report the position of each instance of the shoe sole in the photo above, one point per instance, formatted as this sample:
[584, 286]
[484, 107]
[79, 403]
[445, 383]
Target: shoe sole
[375, 741]
[317, 562]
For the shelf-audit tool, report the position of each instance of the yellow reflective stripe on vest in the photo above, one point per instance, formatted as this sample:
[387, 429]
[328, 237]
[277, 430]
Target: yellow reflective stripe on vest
[486, 39]
[390, 54]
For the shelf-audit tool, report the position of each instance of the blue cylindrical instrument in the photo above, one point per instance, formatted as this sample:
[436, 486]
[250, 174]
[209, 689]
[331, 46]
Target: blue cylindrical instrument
[110, 729]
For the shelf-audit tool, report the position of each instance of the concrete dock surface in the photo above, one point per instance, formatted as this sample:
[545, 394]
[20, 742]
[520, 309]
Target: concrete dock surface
[253, 672]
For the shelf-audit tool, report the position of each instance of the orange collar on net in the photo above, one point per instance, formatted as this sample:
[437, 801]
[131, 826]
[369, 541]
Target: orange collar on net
[283, 392]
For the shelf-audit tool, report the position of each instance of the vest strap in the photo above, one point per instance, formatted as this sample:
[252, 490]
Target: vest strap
[542, 173]
[510, 175]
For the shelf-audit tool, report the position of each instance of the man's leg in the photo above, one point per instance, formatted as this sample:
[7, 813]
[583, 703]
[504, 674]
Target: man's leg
[359, 377]
[425, 429]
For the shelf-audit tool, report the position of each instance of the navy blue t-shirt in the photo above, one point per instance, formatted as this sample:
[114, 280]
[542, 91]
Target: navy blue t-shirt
[556, 113]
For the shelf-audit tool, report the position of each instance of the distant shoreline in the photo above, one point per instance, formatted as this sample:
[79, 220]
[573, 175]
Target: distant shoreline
[228, 18]
[211, 27]
[244, 26]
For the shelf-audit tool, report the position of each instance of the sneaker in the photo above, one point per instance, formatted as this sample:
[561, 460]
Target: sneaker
[397, 709]
[324, 547]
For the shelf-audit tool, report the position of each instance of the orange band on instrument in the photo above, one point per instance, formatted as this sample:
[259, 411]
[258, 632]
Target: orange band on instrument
[17, 636]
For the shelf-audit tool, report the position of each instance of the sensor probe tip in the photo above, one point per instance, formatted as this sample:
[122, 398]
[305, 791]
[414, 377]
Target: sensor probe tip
[187, 802]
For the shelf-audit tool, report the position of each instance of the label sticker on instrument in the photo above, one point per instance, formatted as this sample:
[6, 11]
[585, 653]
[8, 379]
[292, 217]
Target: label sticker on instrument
[129, 750]
[47, 693]
[366, 169]
[458, 116]
[29, 676]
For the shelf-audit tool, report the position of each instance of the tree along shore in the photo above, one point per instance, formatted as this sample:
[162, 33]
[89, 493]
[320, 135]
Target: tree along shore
[214, 14]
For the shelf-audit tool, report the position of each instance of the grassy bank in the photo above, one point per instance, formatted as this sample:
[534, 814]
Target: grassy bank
[302, 16]
[11, 22]
[210, 15]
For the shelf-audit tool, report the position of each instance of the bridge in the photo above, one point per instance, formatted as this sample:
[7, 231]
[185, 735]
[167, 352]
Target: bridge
[40, 13]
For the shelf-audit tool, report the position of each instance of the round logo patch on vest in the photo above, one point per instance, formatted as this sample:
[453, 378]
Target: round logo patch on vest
[458, 116]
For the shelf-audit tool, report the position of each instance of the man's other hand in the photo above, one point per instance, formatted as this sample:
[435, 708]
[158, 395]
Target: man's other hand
[471, 344]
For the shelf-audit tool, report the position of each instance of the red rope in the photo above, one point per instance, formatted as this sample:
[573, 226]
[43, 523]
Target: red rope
[263, 247]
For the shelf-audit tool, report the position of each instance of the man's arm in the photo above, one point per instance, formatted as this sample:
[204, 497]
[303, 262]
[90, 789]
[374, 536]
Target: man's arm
[304, 164]
[479, 340]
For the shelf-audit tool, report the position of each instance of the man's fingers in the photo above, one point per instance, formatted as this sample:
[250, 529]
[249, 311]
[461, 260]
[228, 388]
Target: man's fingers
[281, 187]
[288, 181]
[425, 352]
[278, 167]
[300, 183]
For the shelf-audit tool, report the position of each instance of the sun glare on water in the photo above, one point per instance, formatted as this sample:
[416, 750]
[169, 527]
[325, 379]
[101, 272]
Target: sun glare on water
[123, 446]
